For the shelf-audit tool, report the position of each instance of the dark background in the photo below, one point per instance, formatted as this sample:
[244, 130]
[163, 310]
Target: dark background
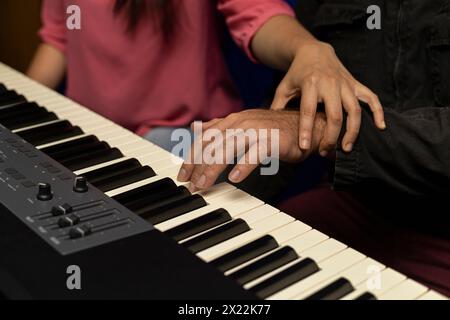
[19, 22]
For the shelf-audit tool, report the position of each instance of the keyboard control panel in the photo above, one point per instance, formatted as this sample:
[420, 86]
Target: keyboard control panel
[65, 210]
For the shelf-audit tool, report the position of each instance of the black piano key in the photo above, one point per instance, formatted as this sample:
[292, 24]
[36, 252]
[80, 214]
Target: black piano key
[112, 170]
[41, 116]
[151, 201]
[68, 145]
[9, 98]
[285, 278]
[198, 225]
[264, 265]
[156, 187]
[366, 296]
[334, 291]
[50, 133]
[92, 159]
[75, 152]
[19, 110]
[217, 235]
[173, 209]
[245, 253]
[124, 178]
[2, 88]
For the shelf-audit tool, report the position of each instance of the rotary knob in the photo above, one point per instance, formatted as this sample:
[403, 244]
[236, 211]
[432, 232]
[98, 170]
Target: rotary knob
[80, 185]
[44, 192]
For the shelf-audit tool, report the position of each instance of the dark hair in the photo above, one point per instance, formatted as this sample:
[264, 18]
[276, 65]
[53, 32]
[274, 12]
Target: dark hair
[161, 12]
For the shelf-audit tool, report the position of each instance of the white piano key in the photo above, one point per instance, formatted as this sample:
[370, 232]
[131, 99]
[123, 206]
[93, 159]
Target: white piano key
[325, 250]
[224, 190]
[236, 195]
[134, 146]
[64, 111]
[167, 161]
[355, 275]
[291, 231]
[432, 295]
[259, 229]
[329, 268]
[306, 241]
[93, 125]
[216, 190]
[407, 290]
[388, 279]
[171, 172]
[254, 216]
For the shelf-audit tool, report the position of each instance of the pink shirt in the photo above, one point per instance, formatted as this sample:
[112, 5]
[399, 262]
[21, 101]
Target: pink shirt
[134, 80]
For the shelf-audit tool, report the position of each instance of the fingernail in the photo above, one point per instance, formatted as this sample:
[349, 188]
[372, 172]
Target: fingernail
[234, 176]
[304, 144]
[349, 147]
[324, 153]
[182, 175]
[201, 182]
[383, 124]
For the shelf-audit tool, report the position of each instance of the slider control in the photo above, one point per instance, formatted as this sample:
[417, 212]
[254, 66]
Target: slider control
[69, 221]
[62, 210]
[80, 232]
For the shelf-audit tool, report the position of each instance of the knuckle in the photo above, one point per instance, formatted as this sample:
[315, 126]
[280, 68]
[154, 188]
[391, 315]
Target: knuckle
[246, 123]
[313, 79]
[356, 110]
[196, 175]
[333, 80]
[336, 120]
[375, 98]
[209, 173]
[307, 112]
[233, 116]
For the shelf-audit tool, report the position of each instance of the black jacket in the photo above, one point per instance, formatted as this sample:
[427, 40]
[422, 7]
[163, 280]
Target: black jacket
[407, 64]
[403, 173]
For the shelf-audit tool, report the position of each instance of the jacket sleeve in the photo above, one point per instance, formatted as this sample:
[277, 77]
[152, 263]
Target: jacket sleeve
[412, 156]
[245, 17]
[53, 30]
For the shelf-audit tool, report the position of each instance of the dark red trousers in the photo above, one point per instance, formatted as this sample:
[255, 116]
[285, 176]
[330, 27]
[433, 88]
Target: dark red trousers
[422, 257]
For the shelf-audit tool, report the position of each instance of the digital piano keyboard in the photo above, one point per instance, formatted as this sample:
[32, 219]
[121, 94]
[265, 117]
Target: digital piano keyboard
[79, 190]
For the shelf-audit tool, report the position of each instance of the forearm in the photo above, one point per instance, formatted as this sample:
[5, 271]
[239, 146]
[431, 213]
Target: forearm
[277, 41]
[48, 66]
[412, 156]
